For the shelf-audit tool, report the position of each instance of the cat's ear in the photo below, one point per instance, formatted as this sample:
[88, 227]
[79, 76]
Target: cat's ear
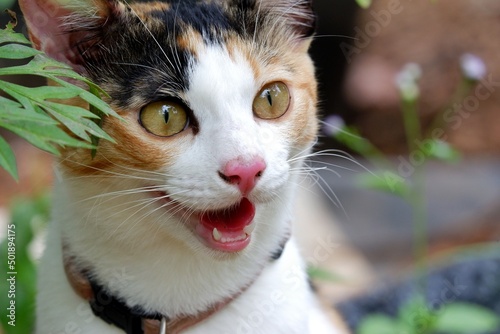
[59, 27]
[299, 15]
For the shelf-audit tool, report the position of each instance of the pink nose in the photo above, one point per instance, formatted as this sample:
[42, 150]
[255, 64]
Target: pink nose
[244, 174]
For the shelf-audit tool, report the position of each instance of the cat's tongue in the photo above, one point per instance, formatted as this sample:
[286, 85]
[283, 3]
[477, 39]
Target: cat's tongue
[228, 230]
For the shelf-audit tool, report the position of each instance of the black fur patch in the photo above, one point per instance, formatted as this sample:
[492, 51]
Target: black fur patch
[208, 19]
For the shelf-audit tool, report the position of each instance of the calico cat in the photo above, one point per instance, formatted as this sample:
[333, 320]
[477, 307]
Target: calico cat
[182, 224]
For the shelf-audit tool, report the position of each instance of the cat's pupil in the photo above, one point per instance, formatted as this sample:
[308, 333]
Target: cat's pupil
[269, 97]
[166, 113]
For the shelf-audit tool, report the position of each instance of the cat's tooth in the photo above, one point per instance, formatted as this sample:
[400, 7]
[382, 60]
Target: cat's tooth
[216, 235]
[249, 229]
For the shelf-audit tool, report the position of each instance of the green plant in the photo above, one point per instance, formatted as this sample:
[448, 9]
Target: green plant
[28, 216]
[364, 3]
[4, 4]
[39, 114]
[415, 317]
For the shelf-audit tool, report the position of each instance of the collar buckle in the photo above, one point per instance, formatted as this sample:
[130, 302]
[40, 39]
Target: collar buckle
[163, 326]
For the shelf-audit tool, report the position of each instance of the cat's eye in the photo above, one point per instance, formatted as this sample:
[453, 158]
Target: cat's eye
[164, 118]
[272, 101]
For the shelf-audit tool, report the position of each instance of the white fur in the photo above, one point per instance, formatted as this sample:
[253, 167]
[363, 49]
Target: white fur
[143, 253]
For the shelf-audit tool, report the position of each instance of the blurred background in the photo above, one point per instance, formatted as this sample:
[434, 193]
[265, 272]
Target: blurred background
[360, 56]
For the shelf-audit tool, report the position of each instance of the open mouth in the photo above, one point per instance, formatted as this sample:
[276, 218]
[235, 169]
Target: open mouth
[227, 230]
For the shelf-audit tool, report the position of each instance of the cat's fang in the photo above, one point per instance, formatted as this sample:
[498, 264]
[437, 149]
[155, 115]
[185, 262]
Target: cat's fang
[249, 229]
[216, 235]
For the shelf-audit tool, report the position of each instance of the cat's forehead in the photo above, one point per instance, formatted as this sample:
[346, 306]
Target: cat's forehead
[164, 41]
[211, 18]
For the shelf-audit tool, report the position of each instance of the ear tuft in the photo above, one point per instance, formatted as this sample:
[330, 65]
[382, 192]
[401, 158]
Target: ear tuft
[299, 14]
[57, 27]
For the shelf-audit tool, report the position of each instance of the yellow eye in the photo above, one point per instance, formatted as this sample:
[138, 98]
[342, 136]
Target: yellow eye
[164, 118]
[272, 101]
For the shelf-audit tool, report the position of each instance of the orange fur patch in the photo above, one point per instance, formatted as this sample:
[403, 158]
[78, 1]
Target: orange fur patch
[191, 41]
[143, 10]
[249, 51]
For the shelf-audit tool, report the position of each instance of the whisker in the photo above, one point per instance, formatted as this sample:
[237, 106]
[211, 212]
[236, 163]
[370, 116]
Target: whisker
[341, 130]
[335, 154]
[140, 65]
[336, 36]
[257, 18]
[125, 192]
[144, 203]
[150, 33]
[176, 51]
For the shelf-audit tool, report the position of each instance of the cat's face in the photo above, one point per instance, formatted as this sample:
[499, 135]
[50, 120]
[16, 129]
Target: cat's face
[219, 105]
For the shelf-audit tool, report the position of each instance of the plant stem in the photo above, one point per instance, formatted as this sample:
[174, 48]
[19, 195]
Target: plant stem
[412, 124]
[420, 224]
[417, 195]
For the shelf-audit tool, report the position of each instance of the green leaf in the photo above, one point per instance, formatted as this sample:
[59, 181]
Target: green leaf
[16, 51]
[417, 316]
[8, 35]
[42, 93]
[8, 159]
[10, 112]
[6, 4]
[24, 101]
[74, 121]
[439, 150]
[351, 138]
[98, 106]
[322, 274]
[43, 137]
[364, 3]
[389, 182]
[462, 318]
[74, 118]
[381, 324]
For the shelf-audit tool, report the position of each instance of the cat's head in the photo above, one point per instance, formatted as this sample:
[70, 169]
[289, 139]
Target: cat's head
[219, 101]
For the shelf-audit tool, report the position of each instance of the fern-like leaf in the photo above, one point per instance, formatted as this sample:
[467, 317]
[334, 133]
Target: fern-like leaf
[38, 114]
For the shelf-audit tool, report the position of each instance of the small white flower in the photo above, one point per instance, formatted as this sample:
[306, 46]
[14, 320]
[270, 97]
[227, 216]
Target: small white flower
[332, 125]
[473, 67]
[407, 81]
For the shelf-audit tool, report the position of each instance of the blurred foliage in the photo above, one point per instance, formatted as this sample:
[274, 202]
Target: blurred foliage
[322, 274]
[416, 318]
[28, 216]
[5, 4]
[364, 3]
